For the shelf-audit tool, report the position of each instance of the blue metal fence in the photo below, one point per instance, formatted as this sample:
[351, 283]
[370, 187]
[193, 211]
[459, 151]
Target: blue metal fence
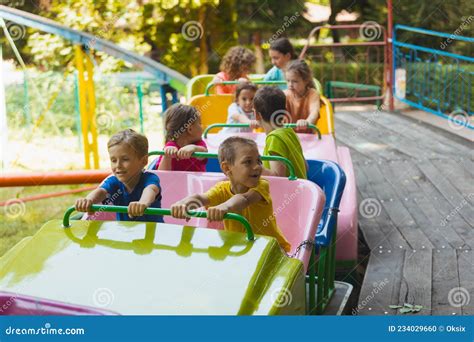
[437, 81]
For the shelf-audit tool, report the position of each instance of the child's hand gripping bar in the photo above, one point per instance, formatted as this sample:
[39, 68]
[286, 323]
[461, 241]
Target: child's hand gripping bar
[212, 84]
[162, 212]
[243, 125]
[288, 163]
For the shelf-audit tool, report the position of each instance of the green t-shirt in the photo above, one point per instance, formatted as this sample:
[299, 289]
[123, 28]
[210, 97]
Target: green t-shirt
[285, 143]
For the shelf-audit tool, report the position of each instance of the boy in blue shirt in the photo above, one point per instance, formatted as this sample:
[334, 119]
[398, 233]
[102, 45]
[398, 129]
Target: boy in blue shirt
[129, 185]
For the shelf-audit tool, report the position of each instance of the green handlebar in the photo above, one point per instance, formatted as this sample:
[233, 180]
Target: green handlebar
[288, 163]
[212, 84]
[242, 125]
[160, 211]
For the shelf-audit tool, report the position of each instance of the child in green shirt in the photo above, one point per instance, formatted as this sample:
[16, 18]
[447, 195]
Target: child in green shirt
[271, 114]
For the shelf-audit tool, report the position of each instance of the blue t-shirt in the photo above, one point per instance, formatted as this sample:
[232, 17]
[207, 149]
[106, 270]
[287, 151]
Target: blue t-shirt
[118, 195]
[275, 74]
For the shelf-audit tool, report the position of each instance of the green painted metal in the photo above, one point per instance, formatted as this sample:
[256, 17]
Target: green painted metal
[288, 163]
[242, 125]
[161, 212]
[155, 268]
[349, 85]
[210, 85]
[140, 106]
[312, 277]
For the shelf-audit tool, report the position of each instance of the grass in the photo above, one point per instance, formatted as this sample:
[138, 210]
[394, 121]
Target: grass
[26, 218]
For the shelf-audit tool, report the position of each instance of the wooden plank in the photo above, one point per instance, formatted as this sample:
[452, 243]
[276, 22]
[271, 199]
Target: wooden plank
[460, 179]
[438, 210]
[423, 132]
[377, 227]
[381, 280]
[416, 280]
[427, 217]
[445, 278]
[367, 144]
[421, 135]
[466, 277]
[395, 208]
[375, 133]
[447, 190]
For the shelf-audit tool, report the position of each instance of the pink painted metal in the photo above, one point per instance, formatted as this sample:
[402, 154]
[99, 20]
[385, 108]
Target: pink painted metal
[17, 304]
[326, 149]
[298, 205]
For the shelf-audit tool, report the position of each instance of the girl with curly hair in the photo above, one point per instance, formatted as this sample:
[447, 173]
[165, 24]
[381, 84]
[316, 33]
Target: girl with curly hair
[235, 66]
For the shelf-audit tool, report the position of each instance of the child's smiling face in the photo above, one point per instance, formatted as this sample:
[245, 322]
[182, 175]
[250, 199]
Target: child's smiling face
[245, 100]
[246, 170]
[126, 164]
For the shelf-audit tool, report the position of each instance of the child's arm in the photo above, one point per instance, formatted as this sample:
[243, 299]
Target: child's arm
[277, 169]
[96, 196]
[165, 163]
[178, 210]
[242, 118]
[314, 103]
[148, 196]
[236, 203]
[186, 152]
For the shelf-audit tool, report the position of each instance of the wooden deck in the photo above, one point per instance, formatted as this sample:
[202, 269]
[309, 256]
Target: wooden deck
[416, 196]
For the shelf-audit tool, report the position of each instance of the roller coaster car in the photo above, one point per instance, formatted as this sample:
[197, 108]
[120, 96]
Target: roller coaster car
[213, 110]
[171, 268]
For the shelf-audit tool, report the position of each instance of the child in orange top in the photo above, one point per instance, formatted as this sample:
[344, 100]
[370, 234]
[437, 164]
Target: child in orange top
[302, 98]
[235, 66]
[245, 192]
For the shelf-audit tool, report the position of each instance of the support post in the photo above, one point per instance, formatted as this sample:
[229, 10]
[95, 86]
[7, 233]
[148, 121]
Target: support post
[87, 108]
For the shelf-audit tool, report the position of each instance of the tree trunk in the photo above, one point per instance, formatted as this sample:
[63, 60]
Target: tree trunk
[203, 56]
[257, 42]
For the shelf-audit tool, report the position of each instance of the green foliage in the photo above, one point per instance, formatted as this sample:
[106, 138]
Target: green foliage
[30, 218]
[116, 104]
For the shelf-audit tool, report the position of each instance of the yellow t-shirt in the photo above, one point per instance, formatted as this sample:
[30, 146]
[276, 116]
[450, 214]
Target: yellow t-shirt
[260, 214]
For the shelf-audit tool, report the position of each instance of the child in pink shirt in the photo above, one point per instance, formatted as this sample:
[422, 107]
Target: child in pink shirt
[183, 138]
[235, 66]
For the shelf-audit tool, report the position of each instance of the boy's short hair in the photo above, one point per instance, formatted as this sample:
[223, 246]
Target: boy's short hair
[135, 140]
[228, 148]
[270, 102]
